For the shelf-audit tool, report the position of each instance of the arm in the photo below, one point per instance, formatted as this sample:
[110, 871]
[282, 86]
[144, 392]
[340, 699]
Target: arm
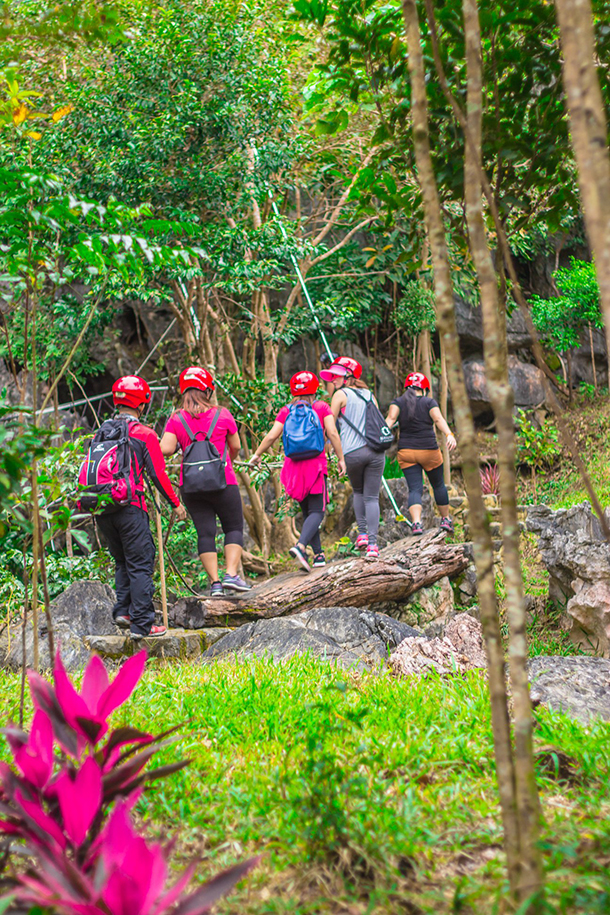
[154, 465]
[330, 427]
[337, 403]
[393, 414]
[233, 443]
[168, 444]
[441, 424]
[271, 437]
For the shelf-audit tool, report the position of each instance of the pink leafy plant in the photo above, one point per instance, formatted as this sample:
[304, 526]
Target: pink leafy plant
[490, 479]
[70, 811]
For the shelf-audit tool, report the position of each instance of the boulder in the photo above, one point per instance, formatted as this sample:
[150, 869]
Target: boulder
[577, 556]
[428, 605]
[391, 530]
[459, 649]
[347, 636]
[469, 322]
[178, 643]
[84, 609]
[577, 686]
[526, 381]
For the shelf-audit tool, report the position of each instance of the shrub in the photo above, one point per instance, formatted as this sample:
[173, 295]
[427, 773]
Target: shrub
[71, 812]
[490, 479]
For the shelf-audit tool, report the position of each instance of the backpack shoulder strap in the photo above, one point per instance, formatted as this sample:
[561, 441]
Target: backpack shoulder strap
[215, 419]
[187, 428]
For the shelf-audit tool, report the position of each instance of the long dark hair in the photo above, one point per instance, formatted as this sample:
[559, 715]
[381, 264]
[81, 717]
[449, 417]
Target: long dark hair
[409, 400]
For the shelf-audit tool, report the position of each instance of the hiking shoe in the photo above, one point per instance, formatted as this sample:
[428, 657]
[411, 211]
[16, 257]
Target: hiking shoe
[372, 552]
[123, 621]
[319, 560]
[362, 541]
[217, 589]
[417, 529]
[156, 632]
[446, 525]
[300, 557]
[235, 583]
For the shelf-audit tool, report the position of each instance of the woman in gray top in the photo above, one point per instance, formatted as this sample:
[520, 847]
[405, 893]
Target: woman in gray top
[364, 466]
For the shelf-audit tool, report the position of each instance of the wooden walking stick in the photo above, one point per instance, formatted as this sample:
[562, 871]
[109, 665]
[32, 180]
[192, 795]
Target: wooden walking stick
[161, 562]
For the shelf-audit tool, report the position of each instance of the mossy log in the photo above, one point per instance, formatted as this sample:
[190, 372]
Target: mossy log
[402, 569]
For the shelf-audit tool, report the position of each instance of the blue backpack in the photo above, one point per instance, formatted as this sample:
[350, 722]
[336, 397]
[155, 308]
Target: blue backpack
[303, 435]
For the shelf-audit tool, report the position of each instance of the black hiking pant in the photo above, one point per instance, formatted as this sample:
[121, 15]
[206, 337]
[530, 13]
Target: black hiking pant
[130, 543]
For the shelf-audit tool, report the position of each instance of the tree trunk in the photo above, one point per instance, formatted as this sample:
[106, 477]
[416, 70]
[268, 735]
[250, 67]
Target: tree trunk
[592, 348]
[588, 132]
[402, 568]
[444, 403]
[483, 549]
[502, 400]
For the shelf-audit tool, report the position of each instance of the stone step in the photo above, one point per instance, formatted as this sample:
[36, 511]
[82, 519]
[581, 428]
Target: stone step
[178, 643]
[469, 548]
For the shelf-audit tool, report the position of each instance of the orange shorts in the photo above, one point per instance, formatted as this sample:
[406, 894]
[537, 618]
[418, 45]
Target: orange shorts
[429, 460]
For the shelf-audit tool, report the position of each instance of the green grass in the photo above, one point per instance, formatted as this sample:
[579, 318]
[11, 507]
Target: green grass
[365, 793]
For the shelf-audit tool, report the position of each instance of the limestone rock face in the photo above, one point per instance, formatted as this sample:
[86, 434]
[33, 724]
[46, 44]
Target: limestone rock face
[461, 648]
[578, 686]
[577, 557]
[429, 605]
[525, 379]
[84, 609]
[347, 636]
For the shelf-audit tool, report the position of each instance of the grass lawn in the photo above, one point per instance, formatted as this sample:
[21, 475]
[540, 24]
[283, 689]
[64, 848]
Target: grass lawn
[364, 793]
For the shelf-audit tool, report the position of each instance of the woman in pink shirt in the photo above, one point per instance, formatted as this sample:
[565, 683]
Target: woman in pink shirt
[304, 479]
[193, 422]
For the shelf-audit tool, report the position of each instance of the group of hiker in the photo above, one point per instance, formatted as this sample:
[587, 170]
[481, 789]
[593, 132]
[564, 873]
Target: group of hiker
[124, 452]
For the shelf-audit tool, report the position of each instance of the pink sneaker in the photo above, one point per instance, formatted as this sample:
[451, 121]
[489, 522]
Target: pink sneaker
[362, 541]
[372, 552]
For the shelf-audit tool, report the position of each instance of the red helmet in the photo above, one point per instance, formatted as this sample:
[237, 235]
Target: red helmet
[350, 364]
[304, 383]
[130, 391]
[417, 380]
[196, 377]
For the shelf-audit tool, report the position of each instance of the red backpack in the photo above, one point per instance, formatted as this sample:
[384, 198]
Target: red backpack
[107, 479]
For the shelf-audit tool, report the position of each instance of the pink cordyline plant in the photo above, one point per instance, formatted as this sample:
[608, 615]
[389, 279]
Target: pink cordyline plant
[71, 812]
[490, 479]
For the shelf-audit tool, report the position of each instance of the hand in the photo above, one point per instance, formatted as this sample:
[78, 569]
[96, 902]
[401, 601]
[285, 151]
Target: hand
[180, 512]
[255, 460]
[341, 467]
[451, 442]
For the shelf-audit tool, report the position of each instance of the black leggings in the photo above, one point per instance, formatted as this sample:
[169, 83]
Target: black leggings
[204, 508]
[312, 507]
[415, 481]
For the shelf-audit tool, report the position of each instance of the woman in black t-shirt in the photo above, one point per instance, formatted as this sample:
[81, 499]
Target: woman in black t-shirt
[418, 449]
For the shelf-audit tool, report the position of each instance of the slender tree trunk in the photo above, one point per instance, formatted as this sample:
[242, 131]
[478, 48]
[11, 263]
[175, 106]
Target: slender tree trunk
[502, 400]
[589, 134]
[483, 549]
[569, 361]
[444, 403]
[592, 348]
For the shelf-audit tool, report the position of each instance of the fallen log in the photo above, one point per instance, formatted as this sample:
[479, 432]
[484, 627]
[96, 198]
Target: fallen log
[402, 569]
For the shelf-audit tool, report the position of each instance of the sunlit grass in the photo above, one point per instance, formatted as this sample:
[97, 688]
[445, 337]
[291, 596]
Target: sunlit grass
[362, 790]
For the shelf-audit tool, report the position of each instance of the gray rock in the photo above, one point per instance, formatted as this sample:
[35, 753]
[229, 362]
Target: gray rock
[178, 643]
[526, 381]
[470, 328]
[84, 609]
[577, 556]
[346, 636]
[428, 605]
[577, 686]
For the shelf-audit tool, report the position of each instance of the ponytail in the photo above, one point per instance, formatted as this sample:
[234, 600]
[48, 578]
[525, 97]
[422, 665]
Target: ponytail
[409, 399]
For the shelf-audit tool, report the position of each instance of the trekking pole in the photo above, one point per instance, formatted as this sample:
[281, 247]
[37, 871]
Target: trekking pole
[390, 495]
[161, 563]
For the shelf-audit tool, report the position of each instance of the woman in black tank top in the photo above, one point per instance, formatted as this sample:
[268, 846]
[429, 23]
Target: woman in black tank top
[418, 450]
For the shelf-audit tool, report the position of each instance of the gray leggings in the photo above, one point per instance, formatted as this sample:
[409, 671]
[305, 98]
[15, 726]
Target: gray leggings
[365, 470]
